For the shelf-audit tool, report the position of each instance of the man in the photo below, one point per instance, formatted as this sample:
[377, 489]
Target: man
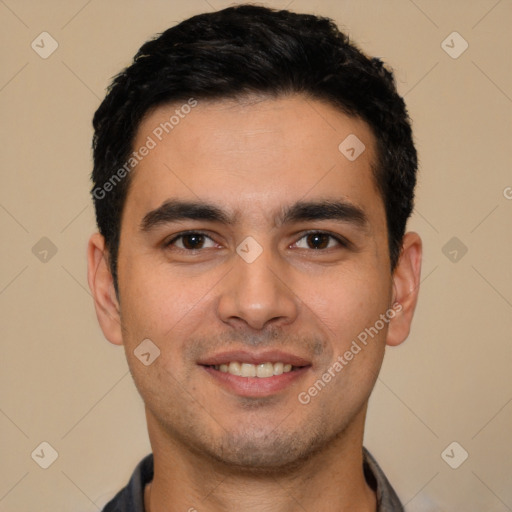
[253, 176]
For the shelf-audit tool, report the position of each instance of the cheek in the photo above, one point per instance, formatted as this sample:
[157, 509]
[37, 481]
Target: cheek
[350, 302]
[170, 308]
[160, 300]
[351, 307]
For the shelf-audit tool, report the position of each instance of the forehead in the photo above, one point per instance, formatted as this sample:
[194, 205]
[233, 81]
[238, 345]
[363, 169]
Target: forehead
[253, 156]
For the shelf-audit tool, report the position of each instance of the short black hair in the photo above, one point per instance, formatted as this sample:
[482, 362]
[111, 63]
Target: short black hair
[244, 50]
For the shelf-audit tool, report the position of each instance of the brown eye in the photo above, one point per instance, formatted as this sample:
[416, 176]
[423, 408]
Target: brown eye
[190, 241]
[318, 240]
[193, 241]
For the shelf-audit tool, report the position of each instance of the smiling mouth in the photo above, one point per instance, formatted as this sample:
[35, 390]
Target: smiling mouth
[262, 371]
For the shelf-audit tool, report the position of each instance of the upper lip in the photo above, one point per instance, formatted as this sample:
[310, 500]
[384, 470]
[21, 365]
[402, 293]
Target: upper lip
[243, 356]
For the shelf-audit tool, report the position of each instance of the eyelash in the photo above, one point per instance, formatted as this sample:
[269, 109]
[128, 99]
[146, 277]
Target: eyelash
[341, 241]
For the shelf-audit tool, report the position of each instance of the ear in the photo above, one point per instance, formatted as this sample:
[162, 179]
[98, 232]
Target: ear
[101, 284]
[406, 283]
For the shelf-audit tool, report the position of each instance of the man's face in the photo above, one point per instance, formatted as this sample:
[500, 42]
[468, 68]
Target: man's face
[277, 283]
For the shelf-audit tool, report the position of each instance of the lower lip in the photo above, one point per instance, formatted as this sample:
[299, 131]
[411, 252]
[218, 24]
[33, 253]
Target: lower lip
[256, 386]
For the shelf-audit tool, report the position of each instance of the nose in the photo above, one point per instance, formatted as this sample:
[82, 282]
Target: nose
[257, 294]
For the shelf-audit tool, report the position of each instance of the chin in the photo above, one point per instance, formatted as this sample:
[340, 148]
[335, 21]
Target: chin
[266, 453]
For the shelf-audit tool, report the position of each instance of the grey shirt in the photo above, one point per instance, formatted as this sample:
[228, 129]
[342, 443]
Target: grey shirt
[131, 497]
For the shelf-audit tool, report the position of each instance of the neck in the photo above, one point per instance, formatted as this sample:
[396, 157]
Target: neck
[331, 480]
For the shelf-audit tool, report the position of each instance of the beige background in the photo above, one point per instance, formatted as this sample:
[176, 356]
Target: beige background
[62, 383]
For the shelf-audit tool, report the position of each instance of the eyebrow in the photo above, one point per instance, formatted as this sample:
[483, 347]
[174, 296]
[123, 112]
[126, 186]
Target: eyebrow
[175, 210]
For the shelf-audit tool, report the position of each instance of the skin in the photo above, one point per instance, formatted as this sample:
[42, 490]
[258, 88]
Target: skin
[213, 449]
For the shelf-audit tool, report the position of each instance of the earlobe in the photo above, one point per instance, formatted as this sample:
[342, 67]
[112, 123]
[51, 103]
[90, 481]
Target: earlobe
[406, 282]
[102, 288]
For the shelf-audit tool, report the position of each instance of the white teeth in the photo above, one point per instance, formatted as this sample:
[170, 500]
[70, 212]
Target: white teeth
[278, 368]
[262, 370]
[234, 368]
[265, 370]
[248, 370]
